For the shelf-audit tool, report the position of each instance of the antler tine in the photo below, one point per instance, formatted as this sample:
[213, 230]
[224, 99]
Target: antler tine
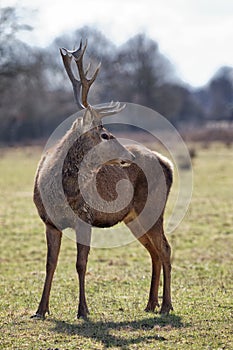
[87, 69]
[111, 106]
[84, 83]
[109, 112]
[106, 111]
[75, 82]
[79, 52]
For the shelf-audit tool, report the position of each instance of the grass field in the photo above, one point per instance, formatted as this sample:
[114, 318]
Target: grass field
[118, 279]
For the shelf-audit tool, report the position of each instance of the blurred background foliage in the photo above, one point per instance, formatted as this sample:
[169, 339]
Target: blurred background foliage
[36, 95]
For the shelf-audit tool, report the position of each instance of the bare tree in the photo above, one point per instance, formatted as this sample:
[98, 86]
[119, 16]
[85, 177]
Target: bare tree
[143, 69]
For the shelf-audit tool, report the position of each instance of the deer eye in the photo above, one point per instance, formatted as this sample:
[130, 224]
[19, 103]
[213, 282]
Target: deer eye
[104, 136]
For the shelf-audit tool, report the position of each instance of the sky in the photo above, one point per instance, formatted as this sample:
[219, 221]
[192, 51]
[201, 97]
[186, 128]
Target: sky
[195, 35]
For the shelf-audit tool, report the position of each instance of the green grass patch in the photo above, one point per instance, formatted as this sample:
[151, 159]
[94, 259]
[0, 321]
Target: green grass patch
[118, 279]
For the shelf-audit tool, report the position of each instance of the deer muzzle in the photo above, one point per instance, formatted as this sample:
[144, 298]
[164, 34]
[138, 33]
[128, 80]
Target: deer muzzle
[125, 159]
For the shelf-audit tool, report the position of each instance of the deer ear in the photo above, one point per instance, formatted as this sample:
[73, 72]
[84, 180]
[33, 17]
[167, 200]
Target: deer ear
[87, 119]
[77, 124]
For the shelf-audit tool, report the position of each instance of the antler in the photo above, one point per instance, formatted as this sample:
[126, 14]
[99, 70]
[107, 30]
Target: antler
[110, 109]
[83, 85]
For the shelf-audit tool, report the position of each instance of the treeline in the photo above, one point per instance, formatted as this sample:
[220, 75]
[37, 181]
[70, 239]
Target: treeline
[36, 95]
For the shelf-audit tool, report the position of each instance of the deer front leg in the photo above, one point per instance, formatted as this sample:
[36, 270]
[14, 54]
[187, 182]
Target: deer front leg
[83, 236]
[53, 236]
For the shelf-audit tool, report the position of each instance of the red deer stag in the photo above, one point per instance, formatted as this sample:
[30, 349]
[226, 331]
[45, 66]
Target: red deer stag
[62, 203]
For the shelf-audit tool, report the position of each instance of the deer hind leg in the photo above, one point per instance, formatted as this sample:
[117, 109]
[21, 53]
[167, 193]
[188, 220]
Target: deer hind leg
[160, 243]
[53, 236]
[83, 237]
[156, 269]
[137, 229]
[156, 243]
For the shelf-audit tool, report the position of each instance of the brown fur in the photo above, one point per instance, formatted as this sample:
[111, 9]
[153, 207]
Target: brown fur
[107, 177]
[84, 155]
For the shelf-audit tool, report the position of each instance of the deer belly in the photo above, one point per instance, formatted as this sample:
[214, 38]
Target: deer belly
[101, 219]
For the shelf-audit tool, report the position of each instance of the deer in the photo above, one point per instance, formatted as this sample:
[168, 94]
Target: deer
[63, 190]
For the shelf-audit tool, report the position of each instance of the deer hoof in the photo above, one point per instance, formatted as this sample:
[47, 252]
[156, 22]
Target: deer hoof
[83, 315]
[83, 312]
[37, 316]
[165, 309]
[151, 306]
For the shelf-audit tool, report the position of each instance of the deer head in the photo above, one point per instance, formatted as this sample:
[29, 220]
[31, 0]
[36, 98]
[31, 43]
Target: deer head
[90, 124]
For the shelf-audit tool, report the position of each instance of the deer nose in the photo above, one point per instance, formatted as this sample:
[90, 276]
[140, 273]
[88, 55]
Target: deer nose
[127, 158]
[132, 156]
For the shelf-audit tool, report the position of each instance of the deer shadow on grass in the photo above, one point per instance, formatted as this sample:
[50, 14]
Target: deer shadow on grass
[106, 332]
